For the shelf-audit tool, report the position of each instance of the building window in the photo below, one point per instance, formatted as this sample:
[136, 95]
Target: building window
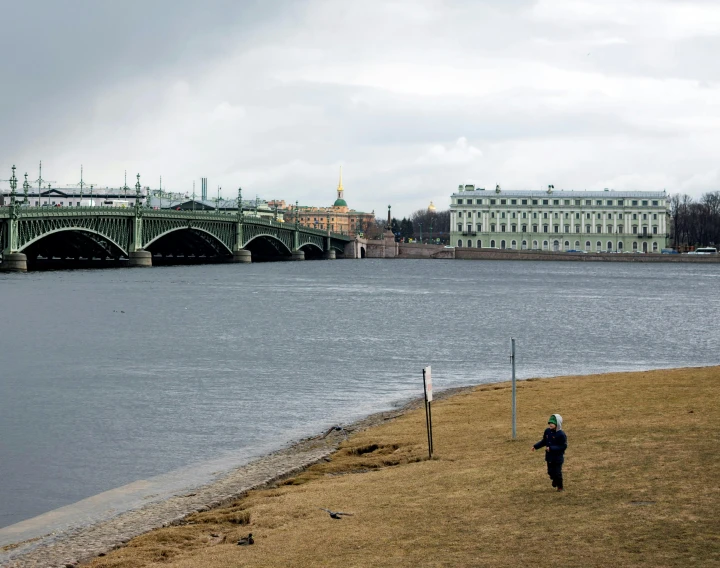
[492, 244]
[635, 203]
[620, 202]
[620, 246]
[655, 247]
[459, 203]
[492, 228]
[479, 228]
[479, 243]
[598, 229]
[459, 242]
[545, 215]
[513, 228]
[587, 245]
[459, 227]
[513, 245]
[566, 202]
[598, 202]
[609, 246]
[588, 202]
[469, 228]
[587, 215]
[655, 231]
[502, 215]
[492, 201]
[634, 230]
[534, 229]
[644, 203]
[577, 228]
[545, 245]
[609, 202]
[620, 216]
[598, 246]
[545, 228]
[523, 202]
[620, 228]
[556, 229]
[635, 246]
[459, 214]
[535, 215]
[567, 228]
[545, 201]
[524, 245]
[655, 203]
[503, 202]
[502, 244]
[556, 215]
[492, 215]
[478, 201]
[535, 245]
[534, 201]
[524, 228]
[556, 202]
[577, 202]
[654, 216]
[502, 228]
[577, 245]
[567, 245]
[587, 228]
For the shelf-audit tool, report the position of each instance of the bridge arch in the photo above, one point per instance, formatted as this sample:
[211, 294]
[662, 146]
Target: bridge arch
[312, 251]
[189, 228]
[36, 241]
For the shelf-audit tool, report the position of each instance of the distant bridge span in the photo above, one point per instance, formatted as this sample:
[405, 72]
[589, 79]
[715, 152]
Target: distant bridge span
[138, 234]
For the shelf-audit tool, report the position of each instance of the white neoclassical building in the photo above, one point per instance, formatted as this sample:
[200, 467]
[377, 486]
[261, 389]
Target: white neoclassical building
[592, 221]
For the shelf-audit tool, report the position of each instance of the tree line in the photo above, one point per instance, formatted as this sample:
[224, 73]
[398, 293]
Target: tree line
[695, 223]
[422, 224]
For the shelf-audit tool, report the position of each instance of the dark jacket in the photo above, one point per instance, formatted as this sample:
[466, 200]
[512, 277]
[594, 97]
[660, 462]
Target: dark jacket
[556, 440]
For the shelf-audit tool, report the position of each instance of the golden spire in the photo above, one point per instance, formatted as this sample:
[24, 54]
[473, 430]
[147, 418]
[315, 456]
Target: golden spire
[340, 187]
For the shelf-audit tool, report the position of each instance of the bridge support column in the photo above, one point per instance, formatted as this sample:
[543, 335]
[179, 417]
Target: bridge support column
[329, 254]
[242, 256]
[14, 262]
[298, 255]
[140, 258]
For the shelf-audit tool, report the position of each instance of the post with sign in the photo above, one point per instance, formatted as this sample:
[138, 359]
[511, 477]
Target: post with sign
[427, 386]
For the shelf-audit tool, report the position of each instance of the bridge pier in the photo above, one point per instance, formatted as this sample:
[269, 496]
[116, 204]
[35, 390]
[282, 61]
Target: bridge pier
[242, 255]
[140, 258]
[329, 254]
[298, 255]
[14, 262]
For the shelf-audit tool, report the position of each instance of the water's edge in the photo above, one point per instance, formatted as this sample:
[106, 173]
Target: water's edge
[72, 539]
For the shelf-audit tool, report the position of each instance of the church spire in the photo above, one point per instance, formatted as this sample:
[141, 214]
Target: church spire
[340, 186]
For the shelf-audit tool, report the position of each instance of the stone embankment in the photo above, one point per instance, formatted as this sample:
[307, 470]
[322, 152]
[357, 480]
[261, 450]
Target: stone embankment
[464, 253]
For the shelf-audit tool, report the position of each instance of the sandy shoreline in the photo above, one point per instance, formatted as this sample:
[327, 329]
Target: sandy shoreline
[82, 543]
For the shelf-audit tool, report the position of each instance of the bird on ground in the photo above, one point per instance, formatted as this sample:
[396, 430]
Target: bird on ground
[246, 540]
[335, 514]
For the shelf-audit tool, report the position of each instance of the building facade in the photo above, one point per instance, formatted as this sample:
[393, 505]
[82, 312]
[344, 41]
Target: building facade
[339, 218]
[590, 221]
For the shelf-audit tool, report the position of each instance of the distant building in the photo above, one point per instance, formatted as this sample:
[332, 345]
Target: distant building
[592, 221]
[338, 217]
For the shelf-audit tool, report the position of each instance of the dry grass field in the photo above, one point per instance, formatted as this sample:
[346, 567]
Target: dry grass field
[642, 479]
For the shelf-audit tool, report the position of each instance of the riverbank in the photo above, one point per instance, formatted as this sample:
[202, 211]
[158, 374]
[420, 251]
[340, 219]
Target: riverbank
[641, 486]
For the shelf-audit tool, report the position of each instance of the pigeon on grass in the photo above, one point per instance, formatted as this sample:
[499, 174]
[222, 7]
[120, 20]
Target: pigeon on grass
[336, 514]
[246, 540]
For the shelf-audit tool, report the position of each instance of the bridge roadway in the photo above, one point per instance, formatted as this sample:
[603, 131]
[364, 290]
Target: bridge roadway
[140, 234]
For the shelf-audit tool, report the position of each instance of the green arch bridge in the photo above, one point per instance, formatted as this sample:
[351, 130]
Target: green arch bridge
[140, 234]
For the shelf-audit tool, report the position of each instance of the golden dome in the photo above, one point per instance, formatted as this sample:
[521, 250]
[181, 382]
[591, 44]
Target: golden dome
[431, 207]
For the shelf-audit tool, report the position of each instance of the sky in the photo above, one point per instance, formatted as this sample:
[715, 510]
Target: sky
[411, 98]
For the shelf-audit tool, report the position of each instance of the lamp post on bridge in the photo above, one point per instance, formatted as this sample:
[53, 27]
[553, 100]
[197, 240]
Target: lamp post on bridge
[26, 188]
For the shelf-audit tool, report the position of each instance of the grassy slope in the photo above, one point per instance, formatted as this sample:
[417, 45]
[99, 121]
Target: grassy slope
[642, 487]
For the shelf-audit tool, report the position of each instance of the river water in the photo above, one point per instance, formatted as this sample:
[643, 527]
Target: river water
[112, 376]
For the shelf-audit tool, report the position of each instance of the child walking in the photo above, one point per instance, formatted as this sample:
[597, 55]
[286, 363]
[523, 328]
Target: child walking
[555, 442]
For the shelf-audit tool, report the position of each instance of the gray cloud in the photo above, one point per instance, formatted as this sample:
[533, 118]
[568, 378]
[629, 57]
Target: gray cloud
[412, 97]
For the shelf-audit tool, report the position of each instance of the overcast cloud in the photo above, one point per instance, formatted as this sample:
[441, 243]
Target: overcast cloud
[410, 97]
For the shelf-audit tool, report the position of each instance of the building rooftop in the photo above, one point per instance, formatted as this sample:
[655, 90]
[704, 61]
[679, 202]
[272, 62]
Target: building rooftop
[559, 194]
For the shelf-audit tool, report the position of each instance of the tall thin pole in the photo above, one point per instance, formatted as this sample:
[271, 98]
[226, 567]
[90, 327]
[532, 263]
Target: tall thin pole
[514, 391]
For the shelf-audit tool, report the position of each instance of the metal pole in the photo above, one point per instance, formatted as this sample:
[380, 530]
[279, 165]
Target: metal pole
[514, 392]
[427, 418]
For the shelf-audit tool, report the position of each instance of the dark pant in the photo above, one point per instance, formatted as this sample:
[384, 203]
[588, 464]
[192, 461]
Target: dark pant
[555, 473]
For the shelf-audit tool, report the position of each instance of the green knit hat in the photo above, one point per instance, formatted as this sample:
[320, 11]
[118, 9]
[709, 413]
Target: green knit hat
[552, 420]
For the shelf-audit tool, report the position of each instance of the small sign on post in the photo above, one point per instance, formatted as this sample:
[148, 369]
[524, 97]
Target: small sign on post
[427, 387]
